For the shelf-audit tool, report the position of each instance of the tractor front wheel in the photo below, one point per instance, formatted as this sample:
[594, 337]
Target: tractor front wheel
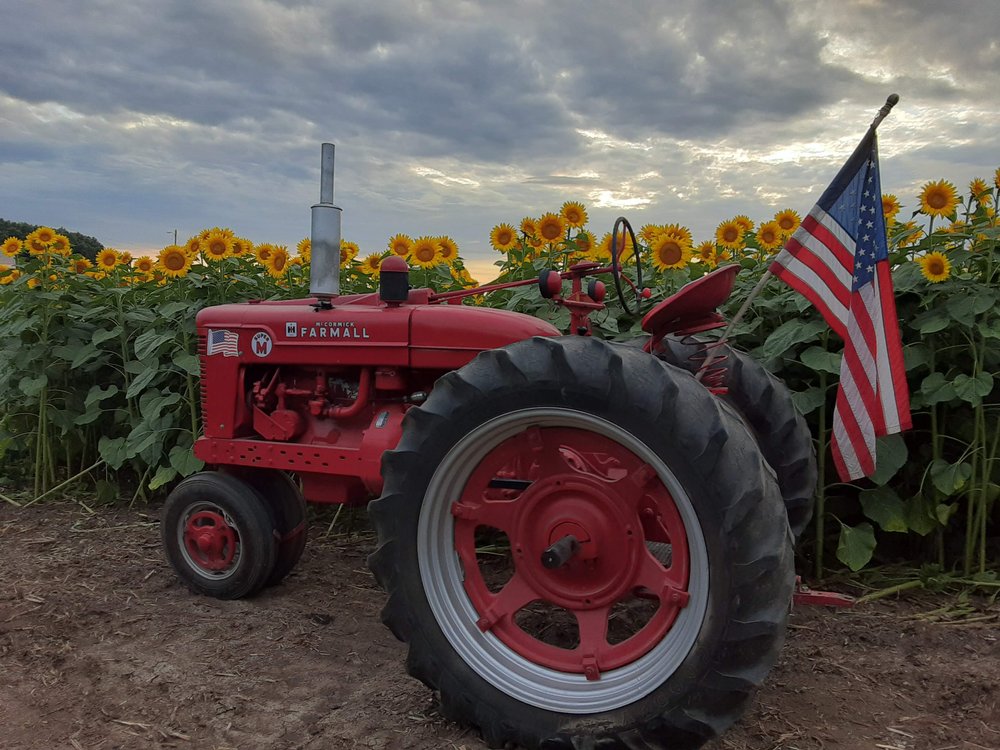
[218, 535]
[578, 542]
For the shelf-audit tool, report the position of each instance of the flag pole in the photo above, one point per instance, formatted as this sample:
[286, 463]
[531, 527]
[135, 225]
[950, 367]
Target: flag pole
[890, 102]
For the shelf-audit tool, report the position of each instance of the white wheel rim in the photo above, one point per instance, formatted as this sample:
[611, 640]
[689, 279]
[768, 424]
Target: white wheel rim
[442, 577]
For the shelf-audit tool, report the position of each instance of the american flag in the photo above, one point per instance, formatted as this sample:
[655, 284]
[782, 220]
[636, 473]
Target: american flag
[223, 342]
[838, 259]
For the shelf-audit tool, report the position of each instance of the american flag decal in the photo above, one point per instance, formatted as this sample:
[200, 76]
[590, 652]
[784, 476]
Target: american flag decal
[223, 342]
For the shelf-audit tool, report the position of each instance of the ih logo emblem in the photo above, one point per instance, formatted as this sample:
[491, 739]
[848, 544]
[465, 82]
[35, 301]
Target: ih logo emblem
[260, 344]
[291, 329]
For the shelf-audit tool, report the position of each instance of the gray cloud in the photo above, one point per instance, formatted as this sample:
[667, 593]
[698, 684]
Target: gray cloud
[128, 120]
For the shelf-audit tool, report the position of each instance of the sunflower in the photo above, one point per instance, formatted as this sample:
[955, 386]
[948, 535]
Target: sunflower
[625, 246]
[529, 226]
[304, 249]
[45, 234]
[11, 277]
[996, 177]
[890, 206]
[60, 245]
[935, 267]
[705, 252]
[979, 189]
[908, 234]
[144, 264]
[670, 252]
[401, 245]
[193, 247]
[648, 232]
[262, 252]
[81, 265]
[574, 213]
[938, 198]
[503, 238]
[787, 220]
[602, 251]
[584, 243]
[370, 266]
[730, 234]
[107, 259]
[12, 246]
[34, 282]
[217, 246]
[551, 227]
[536, 243]
[745, 222]
[769, 236]
[447, 249]
[425, 252]
[224, 231]
[462, 277]
[35, 245]
[682, 233]
[242, 246]
[277, 262]
[174, 261]
[125, 258]
[348, 252]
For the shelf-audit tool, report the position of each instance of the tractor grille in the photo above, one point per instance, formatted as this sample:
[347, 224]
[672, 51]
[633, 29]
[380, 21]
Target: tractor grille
[203, 365]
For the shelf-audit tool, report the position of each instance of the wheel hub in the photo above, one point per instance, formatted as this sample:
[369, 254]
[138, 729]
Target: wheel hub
[210, 540]
[595, 515]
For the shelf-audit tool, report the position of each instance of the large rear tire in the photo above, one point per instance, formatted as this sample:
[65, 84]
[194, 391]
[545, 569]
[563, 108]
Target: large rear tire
[766, 403]
[610, 478]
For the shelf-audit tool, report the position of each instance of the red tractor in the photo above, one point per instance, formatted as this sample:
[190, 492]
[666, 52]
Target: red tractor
[585, 544]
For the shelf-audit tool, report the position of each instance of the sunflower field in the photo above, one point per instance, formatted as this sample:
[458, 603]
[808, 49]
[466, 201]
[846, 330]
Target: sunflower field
[99, 373]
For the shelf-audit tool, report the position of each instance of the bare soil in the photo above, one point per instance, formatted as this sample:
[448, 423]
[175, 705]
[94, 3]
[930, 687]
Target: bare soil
[101, 647]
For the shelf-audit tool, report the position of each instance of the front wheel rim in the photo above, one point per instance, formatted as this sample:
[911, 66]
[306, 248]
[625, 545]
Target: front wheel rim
[209, 541]
[479, 624]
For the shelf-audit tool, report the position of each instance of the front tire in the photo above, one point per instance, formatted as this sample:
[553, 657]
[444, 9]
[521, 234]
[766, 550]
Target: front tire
[668, 501]
[218, 535]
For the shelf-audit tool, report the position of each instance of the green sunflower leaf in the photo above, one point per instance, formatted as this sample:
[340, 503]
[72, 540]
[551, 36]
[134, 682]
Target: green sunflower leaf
[856, 545]
[973, 390]
[936, 389]
[821, 360]
[884, 507]
[949, 478]
[790, 333]
[890, 456]
[809, 400]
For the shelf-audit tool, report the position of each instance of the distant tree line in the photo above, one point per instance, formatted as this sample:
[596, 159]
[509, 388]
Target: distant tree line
[83, 244]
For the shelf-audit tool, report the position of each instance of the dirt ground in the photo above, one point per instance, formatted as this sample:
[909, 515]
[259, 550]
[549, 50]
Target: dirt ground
[101, 647]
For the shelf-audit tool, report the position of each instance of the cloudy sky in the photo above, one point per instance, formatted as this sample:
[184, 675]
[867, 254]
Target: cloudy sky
[127, 120]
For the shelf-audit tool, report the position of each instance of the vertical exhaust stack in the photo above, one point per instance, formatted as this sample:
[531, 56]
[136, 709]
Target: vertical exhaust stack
[324, 279]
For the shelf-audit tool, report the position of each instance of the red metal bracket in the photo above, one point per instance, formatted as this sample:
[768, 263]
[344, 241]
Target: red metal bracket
[807, 596]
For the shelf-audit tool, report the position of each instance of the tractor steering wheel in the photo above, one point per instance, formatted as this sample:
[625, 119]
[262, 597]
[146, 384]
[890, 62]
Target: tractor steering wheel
[616, 270]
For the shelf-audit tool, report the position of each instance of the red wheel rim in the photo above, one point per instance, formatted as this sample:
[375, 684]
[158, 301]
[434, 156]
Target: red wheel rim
[551, 482]
[210, 541]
